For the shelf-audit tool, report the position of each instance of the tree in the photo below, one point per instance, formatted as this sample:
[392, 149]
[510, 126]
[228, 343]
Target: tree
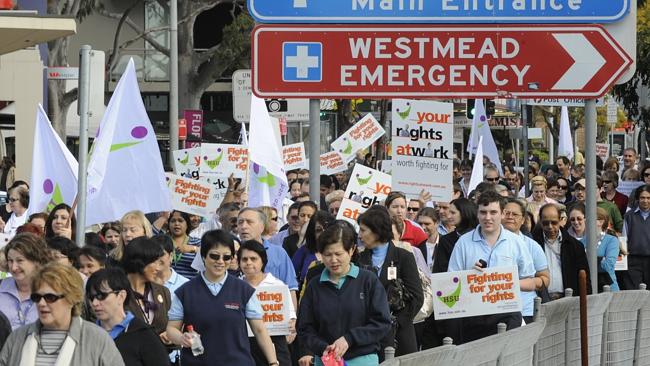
[198, 69]
[59, 100]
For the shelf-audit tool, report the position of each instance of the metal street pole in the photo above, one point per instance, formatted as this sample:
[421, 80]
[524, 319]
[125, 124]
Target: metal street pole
[526, 112]
[173, 77]
[551, 142]
[314, 150]
[592, 191]
[84, 115]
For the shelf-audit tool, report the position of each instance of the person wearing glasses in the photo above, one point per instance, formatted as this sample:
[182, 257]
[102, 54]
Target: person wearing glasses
[59, 336]
[565, 255]
[513, 219]
[232, 304]
[577, 227]
[412, 209]
[491, 175]
[609, 192]
[333, 201]
[291, 227]
[18, 198]
[563, 191]
[107, 291]
[271, 223]
[633, 201]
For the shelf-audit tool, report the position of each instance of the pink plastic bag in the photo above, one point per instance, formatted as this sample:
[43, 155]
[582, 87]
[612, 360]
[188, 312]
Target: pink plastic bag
[330, 360]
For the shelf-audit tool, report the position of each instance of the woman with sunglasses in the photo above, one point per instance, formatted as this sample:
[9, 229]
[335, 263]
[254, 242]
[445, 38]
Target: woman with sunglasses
[231, 303]
[26, 254]
[185, 246]
[59, 336]
[577, 221]
[609, 192]
[18, 202]
[271, 223]
[107, 291]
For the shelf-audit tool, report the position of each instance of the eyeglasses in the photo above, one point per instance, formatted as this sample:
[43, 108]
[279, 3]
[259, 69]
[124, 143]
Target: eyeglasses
[511, 213]
[492, 179]
[101, 296]
[577, 219]
[13, 199]
[644, 174]
[563, 187]
[49, 298]
[413, 209]
[274, 218]
[216, 257]
[550, 222]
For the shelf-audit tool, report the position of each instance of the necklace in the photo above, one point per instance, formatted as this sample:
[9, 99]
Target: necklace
[56, 351]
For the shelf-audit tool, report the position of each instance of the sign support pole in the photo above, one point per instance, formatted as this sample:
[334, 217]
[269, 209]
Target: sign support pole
[592, 191]
[527, 117]
[173, 78]
[84, 115]
[314, 150]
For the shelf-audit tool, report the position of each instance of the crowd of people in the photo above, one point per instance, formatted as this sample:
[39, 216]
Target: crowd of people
[173, 288]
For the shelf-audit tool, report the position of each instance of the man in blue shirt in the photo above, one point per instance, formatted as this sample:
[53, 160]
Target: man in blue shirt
[637, 230]
[497, 247]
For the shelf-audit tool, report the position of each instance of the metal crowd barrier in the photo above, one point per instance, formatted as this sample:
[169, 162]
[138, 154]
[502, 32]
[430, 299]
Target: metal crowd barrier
[619, 334]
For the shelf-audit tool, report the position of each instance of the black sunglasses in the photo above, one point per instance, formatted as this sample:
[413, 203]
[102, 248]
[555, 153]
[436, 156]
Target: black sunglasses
[49, 298]
[549, 222]
[217, 256]
[101, 296]
[492, 179]
[563, 187]
[412, 209]
[646, 174]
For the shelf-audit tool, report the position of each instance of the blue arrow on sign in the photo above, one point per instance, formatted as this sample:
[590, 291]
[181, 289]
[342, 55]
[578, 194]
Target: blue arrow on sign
[438, 11]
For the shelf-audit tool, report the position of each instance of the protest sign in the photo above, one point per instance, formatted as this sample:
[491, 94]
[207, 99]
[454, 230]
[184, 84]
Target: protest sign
[187, 162]
[422, 148]
[4, 239]
[332, 163]
[275, 301]
[294, 156]
[221, 160]
[471, 293]
[366, 131]
[386, 166]
[366, 187]
[193, 196]
[602, 150]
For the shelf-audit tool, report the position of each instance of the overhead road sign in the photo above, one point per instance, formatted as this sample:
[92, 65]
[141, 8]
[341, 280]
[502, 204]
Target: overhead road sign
[435, 61]
[438, 11]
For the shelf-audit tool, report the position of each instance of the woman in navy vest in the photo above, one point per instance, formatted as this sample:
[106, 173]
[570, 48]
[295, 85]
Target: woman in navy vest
[344, 311]
[218, 305]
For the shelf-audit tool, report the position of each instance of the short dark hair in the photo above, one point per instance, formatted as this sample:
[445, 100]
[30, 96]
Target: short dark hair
[49, 232]
[611, 176]
[185, 216]
[97, 253]
[113, 278]
[294, 206]
[311, 204]
[553, 206]
[490, 196]
[139, 253]
[321, 217]
[94, 240]
[564, 159]
[325, 180]
[429, 212]
[341, 231]
[165, 242]
[519, 203]
[64, 245]
[254, 246]
[377, 219]
[215, 238]
[468, 216]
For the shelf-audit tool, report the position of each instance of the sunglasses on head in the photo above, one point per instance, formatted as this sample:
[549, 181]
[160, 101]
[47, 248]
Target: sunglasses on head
[217, 256]
[101, 296]
[49, 298]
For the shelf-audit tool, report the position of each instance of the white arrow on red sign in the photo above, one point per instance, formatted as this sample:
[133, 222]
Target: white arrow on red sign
[435, 61]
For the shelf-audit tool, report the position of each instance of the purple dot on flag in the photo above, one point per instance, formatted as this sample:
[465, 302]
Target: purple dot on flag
[205, 157]
[482, 118]
[455, 279]
[219, 150]
[139, 132]
[48, 186]
[439, 293]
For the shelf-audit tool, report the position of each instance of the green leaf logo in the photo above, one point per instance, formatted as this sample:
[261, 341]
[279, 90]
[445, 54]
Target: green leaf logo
[451, 299]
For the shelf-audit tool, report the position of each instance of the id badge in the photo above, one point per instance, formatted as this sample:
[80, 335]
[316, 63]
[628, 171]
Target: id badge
[392, 273]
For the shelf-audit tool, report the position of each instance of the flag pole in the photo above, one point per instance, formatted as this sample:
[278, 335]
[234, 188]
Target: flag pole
[85, 55]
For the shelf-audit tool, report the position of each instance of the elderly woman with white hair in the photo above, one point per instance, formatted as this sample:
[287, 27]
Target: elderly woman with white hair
[333, 201]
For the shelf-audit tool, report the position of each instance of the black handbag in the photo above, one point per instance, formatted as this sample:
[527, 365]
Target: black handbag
[543, 293]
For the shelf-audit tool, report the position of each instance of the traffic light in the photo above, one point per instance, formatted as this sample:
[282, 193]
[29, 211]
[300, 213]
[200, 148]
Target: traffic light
[470, 108]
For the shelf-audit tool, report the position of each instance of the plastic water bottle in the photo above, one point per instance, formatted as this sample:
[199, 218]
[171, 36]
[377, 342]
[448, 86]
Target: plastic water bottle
[197, 345]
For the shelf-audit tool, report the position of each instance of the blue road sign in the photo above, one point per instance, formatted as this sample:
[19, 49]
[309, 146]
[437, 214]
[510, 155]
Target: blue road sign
[438, 11]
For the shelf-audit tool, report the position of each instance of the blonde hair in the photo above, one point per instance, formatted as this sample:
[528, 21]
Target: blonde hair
[140, 219]
[63, 279]
[268, 212]
[538, 180]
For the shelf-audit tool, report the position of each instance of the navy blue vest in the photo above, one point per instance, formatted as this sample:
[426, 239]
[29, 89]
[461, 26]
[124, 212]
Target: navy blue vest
[220, 320]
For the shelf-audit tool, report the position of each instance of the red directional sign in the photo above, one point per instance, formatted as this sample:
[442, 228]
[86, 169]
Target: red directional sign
[435, 61]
